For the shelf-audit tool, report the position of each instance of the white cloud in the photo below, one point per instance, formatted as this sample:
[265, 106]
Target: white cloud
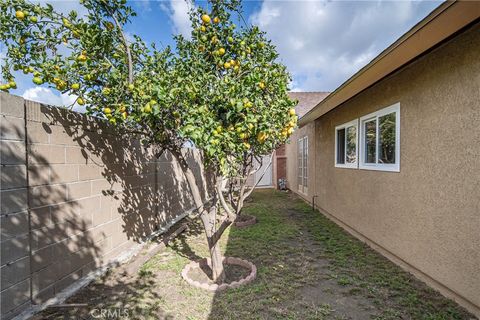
[65, 6]
[178, 12]
[47, 96]
[324, 43]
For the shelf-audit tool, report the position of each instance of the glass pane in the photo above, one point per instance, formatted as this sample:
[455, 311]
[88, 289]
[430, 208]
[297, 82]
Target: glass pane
[351, 145]
[300, 162]
[305, 161]
[386, 146]
[341, 146]
[370, 141]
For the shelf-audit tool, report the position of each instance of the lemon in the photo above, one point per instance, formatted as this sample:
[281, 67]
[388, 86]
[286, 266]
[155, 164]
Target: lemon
[206, 18]
[20, 15]
[291, 112]
[107, 110]
[75, 86]
[221, 51]
[80, 101]
[216, 20]
[82, 58]
[261, 136]
[37, 80]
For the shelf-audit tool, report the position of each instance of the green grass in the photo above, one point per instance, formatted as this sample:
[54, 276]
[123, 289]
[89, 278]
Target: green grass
[306, 264]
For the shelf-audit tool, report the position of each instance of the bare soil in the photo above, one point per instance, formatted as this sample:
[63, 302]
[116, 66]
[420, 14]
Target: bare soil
[308, 268]
[232, 273]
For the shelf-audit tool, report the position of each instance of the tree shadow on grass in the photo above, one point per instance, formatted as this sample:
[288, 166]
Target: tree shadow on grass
[310, 268]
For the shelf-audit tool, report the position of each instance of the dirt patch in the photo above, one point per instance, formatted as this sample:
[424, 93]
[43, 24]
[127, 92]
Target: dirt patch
[245, 220]
[204, 273]
[308, 268]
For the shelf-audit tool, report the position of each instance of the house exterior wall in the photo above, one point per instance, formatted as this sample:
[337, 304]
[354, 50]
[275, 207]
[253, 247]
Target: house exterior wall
[427, 216]
[75, 194]
[291, 149]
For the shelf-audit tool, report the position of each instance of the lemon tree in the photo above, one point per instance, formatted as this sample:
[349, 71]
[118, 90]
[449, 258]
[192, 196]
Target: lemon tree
[222, 90]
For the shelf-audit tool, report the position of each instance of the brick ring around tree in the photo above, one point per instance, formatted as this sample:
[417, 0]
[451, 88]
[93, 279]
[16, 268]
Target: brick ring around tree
[224, 286]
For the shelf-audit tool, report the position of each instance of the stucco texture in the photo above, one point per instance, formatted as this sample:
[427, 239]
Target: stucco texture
[291, 149]
[428, 214]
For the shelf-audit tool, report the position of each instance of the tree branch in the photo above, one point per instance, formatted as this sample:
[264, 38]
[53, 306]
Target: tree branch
[125, 43]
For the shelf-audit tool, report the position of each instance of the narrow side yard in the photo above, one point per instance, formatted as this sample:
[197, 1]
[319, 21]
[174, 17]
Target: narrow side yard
[308, 268]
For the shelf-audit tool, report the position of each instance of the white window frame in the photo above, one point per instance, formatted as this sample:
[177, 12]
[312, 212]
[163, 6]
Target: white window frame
[393, 167]
[302, 163]
[354, 165]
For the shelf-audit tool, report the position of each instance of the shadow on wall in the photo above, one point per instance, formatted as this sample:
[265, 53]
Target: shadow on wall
[45, 251]
[93, 191]
[147, 192]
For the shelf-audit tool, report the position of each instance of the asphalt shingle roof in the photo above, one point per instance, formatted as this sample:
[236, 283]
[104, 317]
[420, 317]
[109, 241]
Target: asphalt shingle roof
[307, 100]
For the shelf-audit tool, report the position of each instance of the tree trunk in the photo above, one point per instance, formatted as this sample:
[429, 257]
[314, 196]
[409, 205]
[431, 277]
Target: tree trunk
[209, 220]
[208, 215]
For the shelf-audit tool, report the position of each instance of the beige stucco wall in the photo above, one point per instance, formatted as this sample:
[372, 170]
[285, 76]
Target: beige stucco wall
[427, 216]
[291, 150]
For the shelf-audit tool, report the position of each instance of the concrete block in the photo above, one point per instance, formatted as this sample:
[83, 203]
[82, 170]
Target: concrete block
[41, 217]
[13, 200]
[12, 128]
[12, 152]
[61, 173]
[37, 112]
[15, 296]
[11, 105]
[64, 135]
[38, 132]
[90, 172]
[12, 177]
[78, 190]
[44, 295]
[101, 186]
[13, 225]
[47, 195]
[66, 281]
[44, 153]
[15, 272]
[42, 258]
[38, 174]
[14, 248]
[75, 155]
[44, 278]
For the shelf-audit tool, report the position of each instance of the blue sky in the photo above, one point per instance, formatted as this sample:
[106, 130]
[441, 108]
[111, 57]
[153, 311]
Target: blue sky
[322, 43]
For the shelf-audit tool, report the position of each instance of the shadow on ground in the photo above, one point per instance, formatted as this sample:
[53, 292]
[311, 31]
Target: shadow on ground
[308, 268]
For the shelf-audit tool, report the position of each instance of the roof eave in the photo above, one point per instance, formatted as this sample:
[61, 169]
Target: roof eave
[440, 24]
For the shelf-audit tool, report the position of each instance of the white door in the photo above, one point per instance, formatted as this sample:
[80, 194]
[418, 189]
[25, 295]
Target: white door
[266, 180]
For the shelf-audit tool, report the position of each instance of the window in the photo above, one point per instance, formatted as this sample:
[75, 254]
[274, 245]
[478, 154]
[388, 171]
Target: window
[346, 153]
[303, 165]
[380, 140]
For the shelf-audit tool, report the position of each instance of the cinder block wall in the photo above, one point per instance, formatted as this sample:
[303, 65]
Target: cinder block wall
[75, 194]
